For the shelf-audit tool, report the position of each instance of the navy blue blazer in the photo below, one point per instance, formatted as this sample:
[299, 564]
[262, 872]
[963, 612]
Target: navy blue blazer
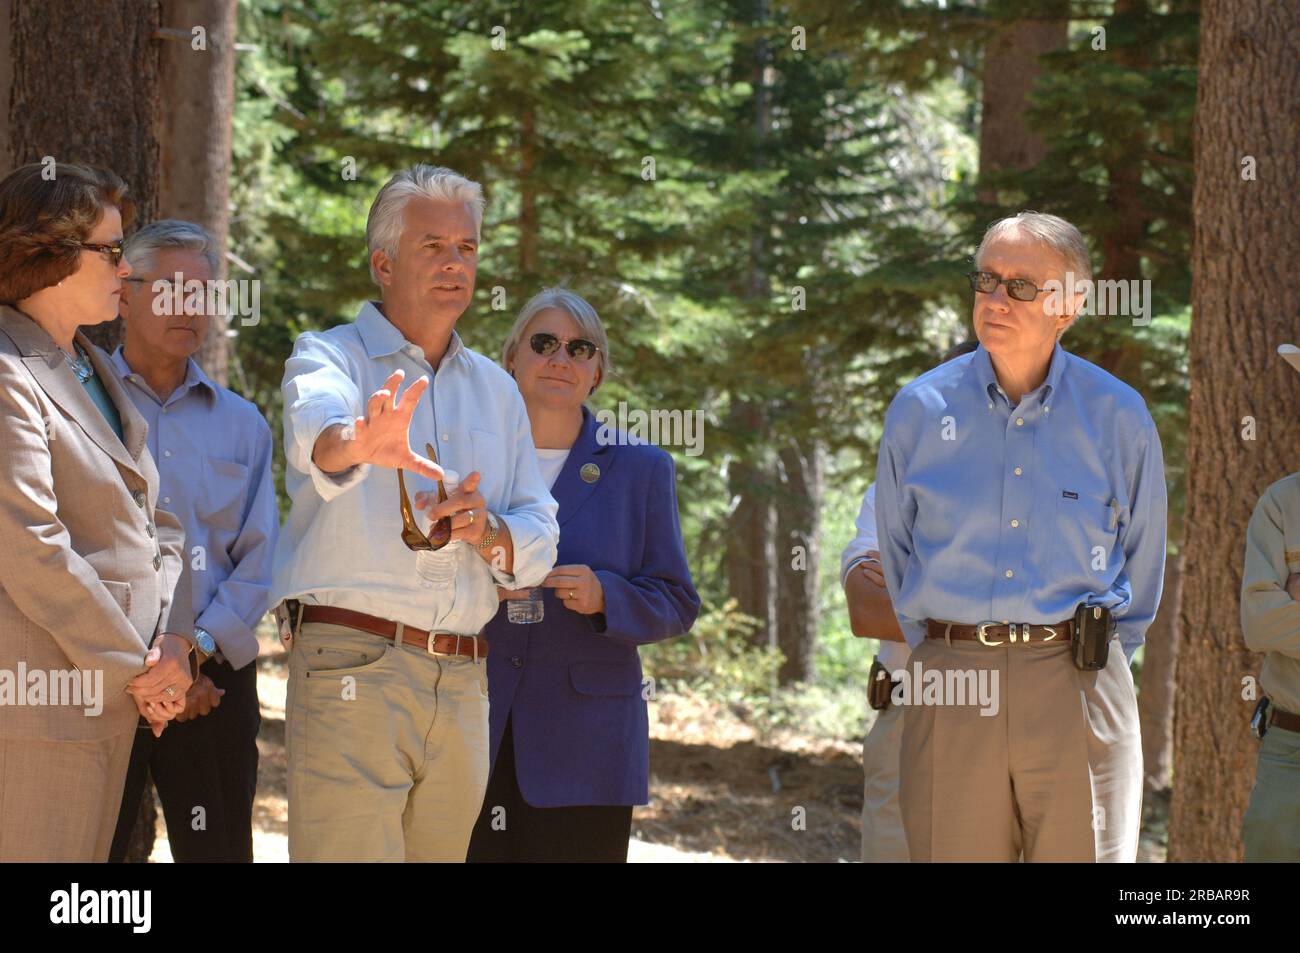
[572, 683]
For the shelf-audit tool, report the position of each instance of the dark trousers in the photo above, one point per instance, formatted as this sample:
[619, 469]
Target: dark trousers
[209, 762]
[523, 833]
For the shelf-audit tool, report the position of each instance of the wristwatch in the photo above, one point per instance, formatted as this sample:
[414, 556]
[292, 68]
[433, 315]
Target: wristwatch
[205, 646]
[494, 527]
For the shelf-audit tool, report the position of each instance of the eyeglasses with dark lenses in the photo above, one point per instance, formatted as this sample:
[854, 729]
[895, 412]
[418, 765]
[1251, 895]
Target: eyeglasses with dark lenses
[414, 538]
[546, 344]
[1022, 289]
[113, 251]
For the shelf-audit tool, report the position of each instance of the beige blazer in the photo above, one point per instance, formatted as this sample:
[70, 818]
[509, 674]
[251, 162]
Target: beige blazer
[90, 570]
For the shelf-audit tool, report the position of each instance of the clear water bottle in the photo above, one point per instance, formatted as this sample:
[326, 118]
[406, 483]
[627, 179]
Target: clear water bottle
[440, 566]
[524, 611]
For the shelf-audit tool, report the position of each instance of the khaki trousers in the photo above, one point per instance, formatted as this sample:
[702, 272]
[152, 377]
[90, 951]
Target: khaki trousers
[59, 799]
[387, 749]
[883, 841]
[1055, 774]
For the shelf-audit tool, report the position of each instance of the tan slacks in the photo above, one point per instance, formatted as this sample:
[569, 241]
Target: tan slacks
[387, 749]
[883, 841]
[1055, 774]
[59, 800]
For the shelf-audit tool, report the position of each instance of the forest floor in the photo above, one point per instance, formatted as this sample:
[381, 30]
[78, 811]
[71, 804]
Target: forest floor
[719, 792]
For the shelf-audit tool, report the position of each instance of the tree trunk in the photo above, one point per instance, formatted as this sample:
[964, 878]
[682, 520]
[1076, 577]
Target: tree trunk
[84, 87]
[1010, 69]
[798, 530]
[1159, 677]
[1246, 243]
[197, 115]
[751, 533]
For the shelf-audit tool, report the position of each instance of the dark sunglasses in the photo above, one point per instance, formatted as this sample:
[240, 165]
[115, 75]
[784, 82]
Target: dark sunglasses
[1022, 289]
[412, 535]
[113, 251]
[546, 344]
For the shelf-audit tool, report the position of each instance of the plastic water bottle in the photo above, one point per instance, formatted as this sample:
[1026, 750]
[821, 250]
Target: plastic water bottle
[440, 566]
[525, 611]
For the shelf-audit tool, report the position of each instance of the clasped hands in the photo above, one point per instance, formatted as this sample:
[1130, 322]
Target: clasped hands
[167, 666]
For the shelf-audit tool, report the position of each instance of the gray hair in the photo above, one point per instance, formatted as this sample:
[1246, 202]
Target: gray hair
[576, 307]
[170, 234]
[1053, 232]
[384, 223]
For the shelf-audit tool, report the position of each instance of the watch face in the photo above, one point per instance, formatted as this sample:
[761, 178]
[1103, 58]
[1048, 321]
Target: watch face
[205, 641]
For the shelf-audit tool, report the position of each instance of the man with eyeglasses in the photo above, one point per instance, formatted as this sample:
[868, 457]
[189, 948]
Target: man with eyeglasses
[1021, 507]
[387, 714]
[213, 450]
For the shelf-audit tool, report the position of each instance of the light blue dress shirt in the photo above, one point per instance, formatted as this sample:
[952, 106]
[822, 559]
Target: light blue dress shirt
[213, 452]
[993, 512]
[342, 543]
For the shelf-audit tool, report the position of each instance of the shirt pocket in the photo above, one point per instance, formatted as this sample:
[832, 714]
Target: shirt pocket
[225, 488]
[1085, 535]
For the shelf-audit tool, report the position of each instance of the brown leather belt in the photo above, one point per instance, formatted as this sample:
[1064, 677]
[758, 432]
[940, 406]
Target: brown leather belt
[435, 643]
[1000, 633]
[1284, 719]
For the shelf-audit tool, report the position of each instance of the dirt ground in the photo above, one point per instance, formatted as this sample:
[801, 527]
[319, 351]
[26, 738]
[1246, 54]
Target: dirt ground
[718, 792]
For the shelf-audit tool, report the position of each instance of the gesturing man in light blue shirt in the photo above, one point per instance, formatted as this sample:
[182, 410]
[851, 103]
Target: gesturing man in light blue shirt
[387, 729]
[213, 451]
[1013, 485]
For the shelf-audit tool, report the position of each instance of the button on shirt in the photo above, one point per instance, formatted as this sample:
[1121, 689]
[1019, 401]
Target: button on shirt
[213, 453]
[342, 543]
[994, 512]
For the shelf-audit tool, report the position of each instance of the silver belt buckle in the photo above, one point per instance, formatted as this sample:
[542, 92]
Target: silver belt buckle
[983, 637]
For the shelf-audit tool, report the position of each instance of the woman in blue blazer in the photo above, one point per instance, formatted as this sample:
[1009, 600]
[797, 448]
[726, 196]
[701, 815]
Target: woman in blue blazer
[570, 733]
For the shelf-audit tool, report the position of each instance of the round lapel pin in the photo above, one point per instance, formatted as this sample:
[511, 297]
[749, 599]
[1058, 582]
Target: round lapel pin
[590, 472]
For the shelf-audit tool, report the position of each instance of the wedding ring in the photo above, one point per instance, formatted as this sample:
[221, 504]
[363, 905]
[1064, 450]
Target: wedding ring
[572, 594]
[471, 518]
[169, 692]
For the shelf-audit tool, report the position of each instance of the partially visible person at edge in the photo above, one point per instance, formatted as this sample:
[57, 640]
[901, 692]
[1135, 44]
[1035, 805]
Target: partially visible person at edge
[570, 733]
[1270, 623]
[94, 587]
[872, 617]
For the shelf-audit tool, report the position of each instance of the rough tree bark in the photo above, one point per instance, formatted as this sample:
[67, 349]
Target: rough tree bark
[197, 115]
[798, 524]
[84, 86]
[1159, 676]
[1010, 69]
[1246, 243]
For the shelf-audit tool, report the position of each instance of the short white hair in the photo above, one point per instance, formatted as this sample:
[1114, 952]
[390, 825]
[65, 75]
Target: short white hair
[384, 223]
[576, 307]
[1052, 232]
[170, 234]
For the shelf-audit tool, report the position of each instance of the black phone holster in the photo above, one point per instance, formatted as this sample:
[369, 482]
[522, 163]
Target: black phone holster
[880, 686]
[1094, 627]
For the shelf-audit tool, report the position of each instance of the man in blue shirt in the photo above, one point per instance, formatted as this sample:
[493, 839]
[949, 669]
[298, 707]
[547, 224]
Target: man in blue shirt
[1014, 484]
[213, 451]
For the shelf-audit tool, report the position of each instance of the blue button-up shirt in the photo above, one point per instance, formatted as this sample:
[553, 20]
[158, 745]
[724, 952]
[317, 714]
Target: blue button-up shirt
[994, 512]
[342, 543]
[213, 451]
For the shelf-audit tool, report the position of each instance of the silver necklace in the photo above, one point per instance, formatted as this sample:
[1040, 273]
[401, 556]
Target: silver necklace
[80, 365]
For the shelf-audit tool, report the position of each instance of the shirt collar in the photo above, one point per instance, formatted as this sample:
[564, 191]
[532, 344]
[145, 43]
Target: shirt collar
[381, 337]
[194, 377]
[982, 366]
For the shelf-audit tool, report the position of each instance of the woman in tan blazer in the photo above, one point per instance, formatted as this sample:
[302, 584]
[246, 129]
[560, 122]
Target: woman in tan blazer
[95, 620]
